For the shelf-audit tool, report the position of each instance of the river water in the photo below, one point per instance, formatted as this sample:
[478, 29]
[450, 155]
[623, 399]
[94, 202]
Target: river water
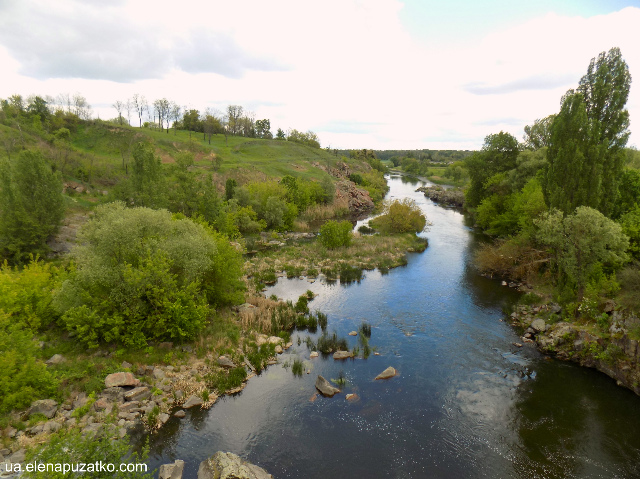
[467, 402]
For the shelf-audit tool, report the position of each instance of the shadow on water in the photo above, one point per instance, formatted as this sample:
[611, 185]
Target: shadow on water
[467, 402]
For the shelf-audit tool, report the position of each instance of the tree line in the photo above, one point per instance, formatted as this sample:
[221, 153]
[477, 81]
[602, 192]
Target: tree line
[566, 200]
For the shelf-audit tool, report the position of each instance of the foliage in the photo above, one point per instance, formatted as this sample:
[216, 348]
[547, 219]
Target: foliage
[581, 242]
[72, 447]
[499, 154]
[143, 275]
[223, 381]
[335, 234]
[629, 192]
[630, 223]
[23, 378]
[538, 135]
[400, 217]
[586, 151]
[31, 205]
[309, 138]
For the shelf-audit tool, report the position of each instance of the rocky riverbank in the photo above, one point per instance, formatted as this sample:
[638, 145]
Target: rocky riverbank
[610, 346]
[448, 197]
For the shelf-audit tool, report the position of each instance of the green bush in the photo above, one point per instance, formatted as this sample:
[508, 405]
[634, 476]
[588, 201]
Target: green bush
[23, 377]
[31, 205]
[144, 275]
[334, 234]
[400, 217]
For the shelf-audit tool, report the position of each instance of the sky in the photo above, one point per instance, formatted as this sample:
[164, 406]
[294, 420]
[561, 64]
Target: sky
[377, 74]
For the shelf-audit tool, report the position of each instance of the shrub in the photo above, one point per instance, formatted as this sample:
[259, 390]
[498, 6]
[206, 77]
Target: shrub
[143, 275]
[334, 234]
[31, 205]
[298, 367]
[23, 378]
[400, 217]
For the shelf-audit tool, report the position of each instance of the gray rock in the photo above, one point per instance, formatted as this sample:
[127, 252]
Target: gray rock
[55, 359]
[180, 414]
[171, 471]
[138, 394]
[225, 362]
[555, 308]
[226, 465]
[126, 365]
[192, 402]
[163, 417]
[46, 407]
[51, 426]
[342, 355]
[120, 379]
[158, 373]
[538, 325]
[387, 373]
[325, 387]
[18, 456]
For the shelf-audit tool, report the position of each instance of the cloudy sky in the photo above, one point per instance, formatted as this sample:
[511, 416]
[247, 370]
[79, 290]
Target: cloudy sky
[383, 74]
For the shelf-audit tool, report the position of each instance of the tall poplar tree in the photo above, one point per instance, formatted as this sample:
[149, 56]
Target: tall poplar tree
[586, 151]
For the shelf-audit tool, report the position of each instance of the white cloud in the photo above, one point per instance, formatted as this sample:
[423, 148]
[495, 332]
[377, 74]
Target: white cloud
[347, 69]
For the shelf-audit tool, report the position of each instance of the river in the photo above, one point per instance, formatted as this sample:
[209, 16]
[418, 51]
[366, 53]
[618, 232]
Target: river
[467, 402]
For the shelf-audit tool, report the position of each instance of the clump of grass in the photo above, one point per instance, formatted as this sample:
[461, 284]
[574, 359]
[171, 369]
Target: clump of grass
[258, 356]
[365, 329]
[298, 367]
[312, 272]
[310, 294]
[311, 345]
[530, 298]
[293, 271]
[329, 343]
[302, 305]
[349, 274]
[322, 320]
[222, 381]
[341, 379]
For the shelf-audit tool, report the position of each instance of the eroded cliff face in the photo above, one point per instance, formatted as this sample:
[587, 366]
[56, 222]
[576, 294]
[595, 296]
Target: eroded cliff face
[359, 201]
[612, 350]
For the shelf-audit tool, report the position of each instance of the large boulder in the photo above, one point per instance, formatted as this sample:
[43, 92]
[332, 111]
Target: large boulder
[226, 465]
[225, 362]
[192, 401]
[138, 394]
[171, 471]
[387, 373]
[538, 325]
[46, 407]
[120, 379]
[342, 355]
[325, 387]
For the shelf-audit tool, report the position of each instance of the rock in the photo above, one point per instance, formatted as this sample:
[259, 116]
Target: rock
[115, 394]
[609, 306]
[51, 426]
[244, 307]
[129, 406]
[387, 373]
[166, 345]
[342, 354]
[288, 345]
[46, 407]
[138, 394]
[538, 325]
[120, 379]
[102, 404]
[504, 283]
[225, 362]
[192, 402]
[163, 417]
[555, 308]
[180, 414]
[518, 345]
[353, 333]
[18, 456]
[352, 397]
[158, 373]
[314, 354]
[278, 349]
[275, 340]
[11, 432]
[171, 471]
[55, 359]
[226, 465]
[325, 387]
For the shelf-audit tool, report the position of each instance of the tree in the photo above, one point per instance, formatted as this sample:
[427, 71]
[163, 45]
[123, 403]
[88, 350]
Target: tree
[581, 241]
[146, 175]
[234, 114]
[539, 134]
[175, 112]
[139, 105]
[280, 135]
[119, 106]
[211, 124]
[499, 154]
[400, 217]
[191, 120]
[588, 168]
[263, 129]
[31, 205]
[334, 234]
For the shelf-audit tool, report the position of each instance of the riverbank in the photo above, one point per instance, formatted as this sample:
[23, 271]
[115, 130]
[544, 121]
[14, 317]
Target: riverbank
[610, 345]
